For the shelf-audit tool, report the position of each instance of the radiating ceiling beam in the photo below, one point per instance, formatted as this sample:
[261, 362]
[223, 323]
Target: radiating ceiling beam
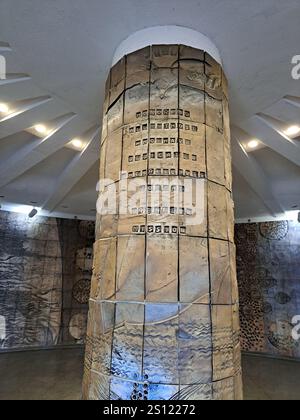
[294, 100]
[76, 169]
[285, 111]
[31, 155]
[4, 46]
[259, 126]
[251, 171]
[14, 78]
[19, 89]
[27, 113]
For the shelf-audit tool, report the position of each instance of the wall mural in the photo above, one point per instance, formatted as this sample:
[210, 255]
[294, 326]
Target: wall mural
[268, 264]
[45, 274]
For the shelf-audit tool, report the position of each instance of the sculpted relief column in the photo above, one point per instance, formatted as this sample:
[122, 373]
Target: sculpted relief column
[163, 319]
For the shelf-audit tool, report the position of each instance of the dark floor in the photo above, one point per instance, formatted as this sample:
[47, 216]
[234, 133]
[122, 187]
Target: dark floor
[271, 379]
[57, 375]
[41, 375]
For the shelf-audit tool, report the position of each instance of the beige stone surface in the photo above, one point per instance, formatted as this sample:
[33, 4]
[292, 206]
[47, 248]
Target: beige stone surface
[104, 275]
[130, 268]
[222, 330]
[162, 268]
[220, 272]
[117, 80]
[171, 331]
[217, 211]
[165, 56]
[194, 270]
[215, 156]
[138, 67]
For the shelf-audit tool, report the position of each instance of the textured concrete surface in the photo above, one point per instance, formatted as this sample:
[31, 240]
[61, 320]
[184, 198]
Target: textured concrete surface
[57, 375]
[163, 321]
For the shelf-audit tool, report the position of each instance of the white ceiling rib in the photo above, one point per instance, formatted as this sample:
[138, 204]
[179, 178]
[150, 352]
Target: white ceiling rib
[253, 174]
[76, 169]
[292, 100]
[14, 78]
[30, 156]
[4, 46]
[285, 110]
[25, 114]
[261, 128]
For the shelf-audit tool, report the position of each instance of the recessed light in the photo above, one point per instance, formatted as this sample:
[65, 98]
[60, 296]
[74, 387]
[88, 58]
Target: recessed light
[77, 143]
[40, 128]
[253, 144]
[4, 108]
[293, 130]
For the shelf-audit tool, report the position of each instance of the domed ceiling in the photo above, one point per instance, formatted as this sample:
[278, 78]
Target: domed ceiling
[58, 54]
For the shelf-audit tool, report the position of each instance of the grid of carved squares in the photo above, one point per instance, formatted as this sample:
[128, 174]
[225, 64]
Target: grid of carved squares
[216, 200]
[194, 110]
[198, 155]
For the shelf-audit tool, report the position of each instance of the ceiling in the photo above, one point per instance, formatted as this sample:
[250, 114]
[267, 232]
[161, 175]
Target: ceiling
[58, 54]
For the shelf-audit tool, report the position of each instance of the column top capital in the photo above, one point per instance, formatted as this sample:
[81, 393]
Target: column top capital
[170, 34]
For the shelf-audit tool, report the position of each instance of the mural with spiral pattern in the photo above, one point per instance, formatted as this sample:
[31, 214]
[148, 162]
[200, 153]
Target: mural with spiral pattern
[268, 256]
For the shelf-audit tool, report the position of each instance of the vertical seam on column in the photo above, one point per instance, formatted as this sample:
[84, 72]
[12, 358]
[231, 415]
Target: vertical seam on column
[146, 213]
[123, 122]
[178, 169]
[117, 243]
[114, 317]
[114, 321]
[178, 241]
[208, 237]
[107, 135]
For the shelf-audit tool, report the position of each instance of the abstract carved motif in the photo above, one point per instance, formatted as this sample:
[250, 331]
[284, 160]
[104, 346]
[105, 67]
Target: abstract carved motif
[163, 318]
[77, 326]
[274, 231]
[81, 291]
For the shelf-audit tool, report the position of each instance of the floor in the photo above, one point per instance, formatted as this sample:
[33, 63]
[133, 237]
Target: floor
[41, 375]
[57, 375]
[271, 379]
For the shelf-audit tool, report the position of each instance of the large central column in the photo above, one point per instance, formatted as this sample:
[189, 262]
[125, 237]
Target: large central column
[163, 320]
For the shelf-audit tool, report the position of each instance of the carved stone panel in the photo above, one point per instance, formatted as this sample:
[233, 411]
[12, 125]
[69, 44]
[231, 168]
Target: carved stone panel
[104, 276]
[165, 257]
[162, 268]
[130, 268]
[194, 270]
